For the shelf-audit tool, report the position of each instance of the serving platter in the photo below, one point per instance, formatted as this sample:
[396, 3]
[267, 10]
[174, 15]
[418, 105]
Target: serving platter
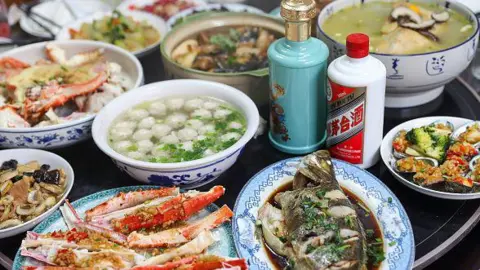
[393, 220]
[223, 247]
[386, 152]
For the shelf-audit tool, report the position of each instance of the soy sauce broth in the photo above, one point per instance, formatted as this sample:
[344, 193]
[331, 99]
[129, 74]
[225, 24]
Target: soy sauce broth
[366, 218]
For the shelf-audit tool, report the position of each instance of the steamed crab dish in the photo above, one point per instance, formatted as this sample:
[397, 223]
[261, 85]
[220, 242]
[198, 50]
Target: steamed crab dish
[401, 27]
[144, 229]
[57, 89]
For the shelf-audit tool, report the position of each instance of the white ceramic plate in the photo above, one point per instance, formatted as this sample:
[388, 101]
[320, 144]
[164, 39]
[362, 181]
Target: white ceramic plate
[126, 5]
[399, 244]
[231, 7]
[43, 157]
[386, 152]
[156, 22]
[57, 12]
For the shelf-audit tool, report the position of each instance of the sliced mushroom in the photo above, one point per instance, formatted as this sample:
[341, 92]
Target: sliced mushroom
[429, 35]
[6, 212]
[34, 197]
[10, 223]
[7, 175]
[418, 26]
[51, 188]
[5, 187]
[25, 209]
[50, 201]
[441, 16]
[40, 208]
[406, 12]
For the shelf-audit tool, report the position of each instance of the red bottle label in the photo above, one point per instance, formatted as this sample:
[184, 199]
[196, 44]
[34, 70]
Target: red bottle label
[346, 122]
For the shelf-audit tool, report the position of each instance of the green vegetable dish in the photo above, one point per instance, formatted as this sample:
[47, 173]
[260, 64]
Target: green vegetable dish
[120, 30]
[177, 129]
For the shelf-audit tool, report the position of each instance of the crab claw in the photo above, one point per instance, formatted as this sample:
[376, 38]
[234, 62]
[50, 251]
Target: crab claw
[58, 55]
[178, 208]
[177, 236]
[9, 118]
[129, 199]
[12, 63]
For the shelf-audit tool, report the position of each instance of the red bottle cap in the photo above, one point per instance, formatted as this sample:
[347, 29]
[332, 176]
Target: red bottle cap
[358, 45]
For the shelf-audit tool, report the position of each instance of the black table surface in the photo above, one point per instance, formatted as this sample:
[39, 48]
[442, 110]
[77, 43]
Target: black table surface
[438, 225]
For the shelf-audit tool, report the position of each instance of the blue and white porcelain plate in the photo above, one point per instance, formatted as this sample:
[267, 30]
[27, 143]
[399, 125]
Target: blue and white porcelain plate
[399, 244]
[224, 247]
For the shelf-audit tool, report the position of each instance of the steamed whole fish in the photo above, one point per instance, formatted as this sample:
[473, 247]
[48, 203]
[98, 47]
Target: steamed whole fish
[315, 226]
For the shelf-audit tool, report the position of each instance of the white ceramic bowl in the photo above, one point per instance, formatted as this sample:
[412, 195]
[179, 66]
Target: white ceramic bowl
[386, 151]
[413, 79]
[187, 174]
[69, 133]
[43, 157]
[211, 7]
[127, 4]
[156, 22]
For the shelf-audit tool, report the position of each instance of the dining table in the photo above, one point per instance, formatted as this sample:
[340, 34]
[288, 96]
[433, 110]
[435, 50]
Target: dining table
[445, 231]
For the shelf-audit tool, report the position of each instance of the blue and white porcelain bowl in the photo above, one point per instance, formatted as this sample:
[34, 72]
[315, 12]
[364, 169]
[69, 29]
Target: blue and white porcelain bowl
[398, 244]
[188, 174]
[412, 79]
[68, 133]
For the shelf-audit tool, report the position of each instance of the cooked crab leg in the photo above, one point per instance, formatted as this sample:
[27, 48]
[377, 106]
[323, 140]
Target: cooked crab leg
[177, 236]
[179, 208]
[9, 118]
[129, 199]
[12, 63]
[58, 55]
[194, 247]
[205, 262]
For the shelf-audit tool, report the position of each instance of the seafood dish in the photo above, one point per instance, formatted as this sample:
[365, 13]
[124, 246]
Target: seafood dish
[225, 50]
[142, 229]
[177, 129]
[164, 8]
[28, 190]
[57, 89]
[437, 156]
[399, 27]
[312, 223]
[120, 30]
[220, 8]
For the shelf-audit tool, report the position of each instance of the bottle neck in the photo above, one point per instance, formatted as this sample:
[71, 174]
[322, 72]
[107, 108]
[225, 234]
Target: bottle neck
[298, 31]
[356, 60]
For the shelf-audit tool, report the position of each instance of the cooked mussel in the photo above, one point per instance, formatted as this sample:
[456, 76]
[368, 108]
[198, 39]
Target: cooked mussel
[459, 184]
[475, 162]
[413, 164]
[401, 146]
[469, 132]
[442, 127]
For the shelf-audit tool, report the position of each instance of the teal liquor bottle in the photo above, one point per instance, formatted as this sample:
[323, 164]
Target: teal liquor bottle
[298, 82]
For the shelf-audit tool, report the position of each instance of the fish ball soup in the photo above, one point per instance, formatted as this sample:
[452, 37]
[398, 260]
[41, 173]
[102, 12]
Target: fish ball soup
[400, 27]
[177, 129]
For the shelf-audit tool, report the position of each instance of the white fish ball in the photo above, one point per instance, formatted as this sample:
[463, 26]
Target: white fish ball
[193, 104]
[126, 124]
[122, 146]
[229, 136]
[176, 120]
[235, 125]
[170, 139]
[209, 128]
[187, 134]
[157, 108]
[221, 113]
[136, 155]
[142, 134]
[160, 130]
[137, 114]
[147, 122]
[208, 152]
[119, 134]
[175, 104]
[187, 146]
[210, 105]
[144, 146]
[194, 123]
[202, 113]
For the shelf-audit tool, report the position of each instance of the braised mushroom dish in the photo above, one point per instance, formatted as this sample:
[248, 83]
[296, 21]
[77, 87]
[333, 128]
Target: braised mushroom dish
[27, 191]
[225, 50]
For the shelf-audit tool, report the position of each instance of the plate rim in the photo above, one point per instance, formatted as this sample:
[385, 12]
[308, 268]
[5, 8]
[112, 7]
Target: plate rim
[409, 228]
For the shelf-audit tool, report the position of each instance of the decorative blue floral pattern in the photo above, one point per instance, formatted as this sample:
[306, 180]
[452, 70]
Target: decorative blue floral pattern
[393, 220]
[183, 179]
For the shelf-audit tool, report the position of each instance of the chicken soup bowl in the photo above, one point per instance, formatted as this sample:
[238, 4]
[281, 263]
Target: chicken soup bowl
[414, 78]
[254, 83]
[187, 174]
[73, 131]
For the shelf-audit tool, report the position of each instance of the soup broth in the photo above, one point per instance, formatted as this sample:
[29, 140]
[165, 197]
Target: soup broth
[388, 36]
[177, 129]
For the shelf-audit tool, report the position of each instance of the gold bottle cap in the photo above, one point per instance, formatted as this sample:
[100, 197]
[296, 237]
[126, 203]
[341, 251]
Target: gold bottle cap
[298, 15]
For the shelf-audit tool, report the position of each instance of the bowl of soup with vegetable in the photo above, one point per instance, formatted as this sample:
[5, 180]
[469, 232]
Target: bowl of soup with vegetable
[178, 132]
[423, 44]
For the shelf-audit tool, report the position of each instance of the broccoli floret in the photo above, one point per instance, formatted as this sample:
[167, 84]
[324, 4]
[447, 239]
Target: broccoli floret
[430, 144]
